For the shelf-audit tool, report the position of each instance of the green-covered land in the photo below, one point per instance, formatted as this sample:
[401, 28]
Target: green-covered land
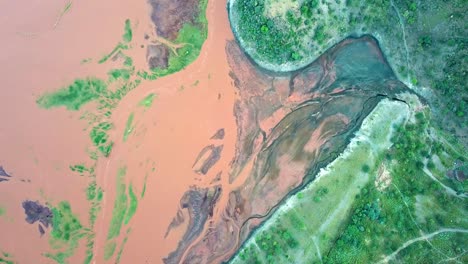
[424, 41]
[374, 203]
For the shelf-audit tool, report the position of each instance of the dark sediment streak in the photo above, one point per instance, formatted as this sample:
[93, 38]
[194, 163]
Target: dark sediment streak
[35, 212]
[210, 161]
[3, 175]
[289, 126]
[219, 134]
[200, 203]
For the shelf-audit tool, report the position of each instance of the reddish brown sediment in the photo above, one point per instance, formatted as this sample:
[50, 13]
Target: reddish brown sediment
[278, 130]
[178, 126]
[207, 158]
[283, 142]
[170, 15]
[39, 145]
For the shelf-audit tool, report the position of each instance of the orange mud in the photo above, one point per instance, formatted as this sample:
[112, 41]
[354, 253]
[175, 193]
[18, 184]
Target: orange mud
[39, 145]
[190, 107]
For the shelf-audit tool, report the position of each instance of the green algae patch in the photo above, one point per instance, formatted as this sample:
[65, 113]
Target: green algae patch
[5, 258]
[143, 191]
[122, 246]
[65, 224]
[128, 127]
[81, 169]
[73, 97]
[191, 37]
[93, 192]
[128, 34]
[119, 47]
[66, 233]
[132, 206]
[2, 211]
[120, 205]
[147, 101]
[122, 74]
[100, 138]
[109, 249]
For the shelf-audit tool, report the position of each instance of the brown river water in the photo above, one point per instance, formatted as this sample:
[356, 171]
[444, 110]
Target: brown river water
[41, 53]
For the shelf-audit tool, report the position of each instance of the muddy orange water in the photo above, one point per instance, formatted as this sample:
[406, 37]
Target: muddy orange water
[42, 52]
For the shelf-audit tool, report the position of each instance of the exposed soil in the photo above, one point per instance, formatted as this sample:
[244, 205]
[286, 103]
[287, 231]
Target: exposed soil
[289, 126]
[278, 130]
[170, 15]
[157, 56]
[207, 158]
[219, 134]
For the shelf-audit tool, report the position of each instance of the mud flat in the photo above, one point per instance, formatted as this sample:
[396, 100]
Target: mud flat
[289, 126]
[39, 146]
[307, 224]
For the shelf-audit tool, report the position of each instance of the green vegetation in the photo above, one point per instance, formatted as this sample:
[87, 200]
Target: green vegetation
[125, 206]
[120, 205]
[147, 101]
[106, 95]
[420, 39]
[100, 138]
[73, 97]
[66, 233]
[191, 37]
[116, 74]
[132, 206]
[109, 249]
[115, 51]
[413, 205]
[308, 224]
[143, 191]
[128, 127]
[385, 207]
[122, 246]
[80, 168]
[2, 211]
[5, 258]
[127, 36]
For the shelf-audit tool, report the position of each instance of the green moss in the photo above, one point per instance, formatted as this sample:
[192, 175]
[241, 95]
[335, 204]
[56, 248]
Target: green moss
[127, 36]
[73, 97]
[147, 101]
[128, 127]
[120, 205]
[109, 249]
[132, 206]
